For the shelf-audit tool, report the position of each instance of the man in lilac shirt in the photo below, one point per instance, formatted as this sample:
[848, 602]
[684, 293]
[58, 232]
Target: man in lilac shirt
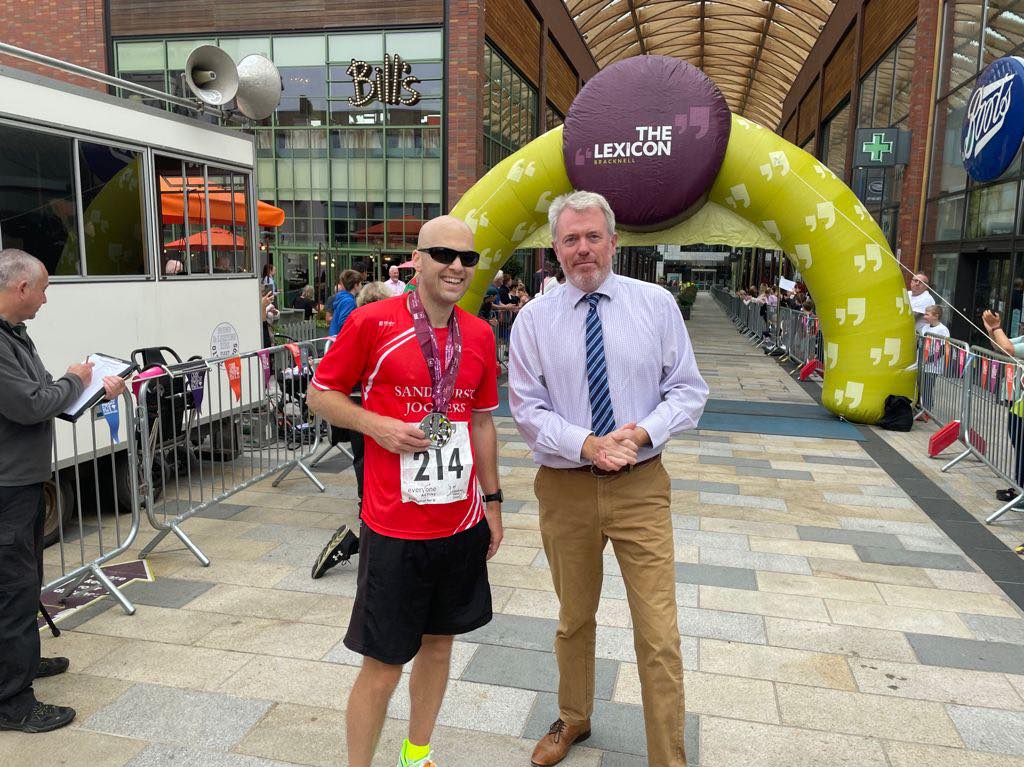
[601, 374]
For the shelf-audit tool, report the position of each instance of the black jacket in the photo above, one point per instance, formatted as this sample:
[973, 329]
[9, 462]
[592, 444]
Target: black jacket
[29, 400]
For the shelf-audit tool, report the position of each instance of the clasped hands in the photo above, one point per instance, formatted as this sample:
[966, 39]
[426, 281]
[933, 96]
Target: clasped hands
[615, 450]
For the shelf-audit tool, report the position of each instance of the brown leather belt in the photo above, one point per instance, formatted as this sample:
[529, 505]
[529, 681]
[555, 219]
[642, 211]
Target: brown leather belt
[591, 469]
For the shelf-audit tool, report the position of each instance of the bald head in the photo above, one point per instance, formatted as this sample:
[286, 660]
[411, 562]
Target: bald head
[446, 231]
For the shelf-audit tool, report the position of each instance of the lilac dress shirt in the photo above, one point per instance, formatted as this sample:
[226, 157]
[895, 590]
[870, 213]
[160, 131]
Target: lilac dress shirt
[652, 374]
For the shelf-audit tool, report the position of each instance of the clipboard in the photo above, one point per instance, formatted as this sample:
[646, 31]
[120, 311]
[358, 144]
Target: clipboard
[105, 365]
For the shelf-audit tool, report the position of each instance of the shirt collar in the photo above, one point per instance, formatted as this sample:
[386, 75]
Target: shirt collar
[608, 288]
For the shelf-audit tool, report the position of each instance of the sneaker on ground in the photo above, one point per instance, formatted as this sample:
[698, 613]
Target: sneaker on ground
[52, 667]
[343, 544]
[1007, 495]
[42, 718]
[427, 761]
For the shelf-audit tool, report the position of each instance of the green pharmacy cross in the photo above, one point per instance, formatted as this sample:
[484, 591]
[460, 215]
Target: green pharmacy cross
[877, 147]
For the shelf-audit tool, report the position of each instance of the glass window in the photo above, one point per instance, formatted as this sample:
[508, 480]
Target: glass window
[229, 232]
[178, 51]
[415, 45]
[866, 102]
[240, 47]
[990, 210]
[1004, 29]
[942, 274]
[304, 98]
[153, 80]
[949, 217]
[135, 57]
[368, 47]
[836, 134]
[37, 198]
[112, 204]
[904, 76]
[510, 109]
[304, 51]
[948, 174]
[961, 42]
[884, 73]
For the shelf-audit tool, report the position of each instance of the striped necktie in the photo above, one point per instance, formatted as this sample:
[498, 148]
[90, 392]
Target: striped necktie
[602, 419]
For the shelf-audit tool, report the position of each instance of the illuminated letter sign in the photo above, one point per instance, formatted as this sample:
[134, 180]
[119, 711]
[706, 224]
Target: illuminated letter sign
[385, 84]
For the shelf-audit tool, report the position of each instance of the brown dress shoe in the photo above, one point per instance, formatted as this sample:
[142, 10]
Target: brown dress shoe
[553, 747]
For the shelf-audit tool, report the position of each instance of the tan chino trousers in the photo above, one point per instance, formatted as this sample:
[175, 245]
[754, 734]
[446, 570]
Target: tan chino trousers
[579, 514]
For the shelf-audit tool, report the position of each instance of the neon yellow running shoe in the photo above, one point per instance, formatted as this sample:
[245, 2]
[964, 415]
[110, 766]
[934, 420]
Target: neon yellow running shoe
[427, 761]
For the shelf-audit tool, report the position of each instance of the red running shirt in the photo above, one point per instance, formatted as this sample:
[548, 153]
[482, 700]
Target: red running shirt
[377, 350]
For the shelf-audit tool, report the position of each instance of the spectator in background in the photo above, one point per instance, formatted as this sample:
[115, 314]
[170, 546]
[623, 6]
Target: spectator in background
[1013, 347]
[345, 299]
[490, 299]
[305, 302]
[808, 307]
[550, 282]
[933, 323]
[267, 279]
[395, 285]
[920, 299]
[538, 278]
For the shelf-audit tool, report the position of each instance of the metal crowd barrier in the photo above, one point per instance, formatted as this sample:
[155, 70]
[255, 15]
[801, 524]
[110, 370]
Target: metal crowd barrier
[991, 415]
[211, 428]
[941, 370]
[505, 316]
[92, 500]
[780, 330]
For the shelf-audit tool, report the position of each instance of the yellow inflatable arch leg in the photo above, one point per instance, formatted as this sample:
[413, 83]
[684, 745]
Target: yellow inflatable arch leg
[841, 253]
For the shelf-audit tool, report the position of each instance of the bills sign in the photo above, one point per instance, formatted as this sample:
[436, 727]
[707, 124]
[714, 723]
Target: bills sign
[994, 122]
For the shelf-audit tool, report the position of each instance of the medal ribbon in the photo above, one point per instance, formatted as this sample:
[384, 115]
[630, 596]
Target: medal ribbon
[442, 379]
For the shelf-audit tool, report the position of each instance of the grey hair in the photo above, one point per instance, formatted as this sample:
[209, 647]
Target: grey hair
[580, 201]
[307, 292]
[373, 291]
[17, 265]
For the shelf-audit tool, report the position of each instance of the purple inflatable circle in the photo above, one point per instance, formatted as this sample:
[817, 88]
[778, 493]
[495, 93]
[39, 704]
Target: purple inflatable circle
[649, 133]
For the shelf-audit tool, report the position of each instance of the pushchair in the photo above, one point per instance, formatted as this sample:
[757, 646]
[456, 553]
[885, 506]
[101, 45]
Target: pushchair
[171, 416]
[296, 425]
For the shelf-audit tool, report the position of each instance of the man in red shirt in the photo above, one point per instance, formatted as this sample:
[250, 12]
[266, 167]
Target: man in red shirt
[431, 513]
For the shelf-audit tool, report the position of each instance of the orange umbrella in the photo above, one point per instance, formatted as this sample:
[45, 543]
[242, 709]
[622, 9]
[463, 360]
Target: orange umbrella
[226, 206]
[219, 237]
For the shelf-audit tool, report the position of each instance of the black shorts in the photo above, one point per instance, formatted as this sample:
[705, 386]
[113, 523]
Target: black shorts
[408, 588]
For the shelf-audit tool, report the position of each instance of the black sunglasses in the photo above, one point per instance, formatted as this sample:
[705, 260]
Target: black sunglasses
[447, 256]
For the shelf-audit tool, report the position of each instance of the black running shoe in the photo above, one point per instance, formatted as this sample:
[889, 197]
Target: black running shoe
[52, 667]
[1007, 495]
[343, 544]
[42, 718]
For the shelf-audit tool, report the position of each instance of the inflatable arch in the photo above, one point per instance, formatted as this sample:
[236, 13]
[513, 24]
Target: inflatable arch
[842, 255]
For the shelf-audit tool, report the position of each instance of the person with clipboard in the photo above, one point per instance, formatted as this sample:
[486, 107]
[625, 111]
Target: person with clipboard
[29, 401]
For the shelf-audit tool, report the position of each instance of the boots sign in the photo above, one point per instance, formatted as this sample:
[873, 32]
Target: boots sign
[994, 120]
[389, 84]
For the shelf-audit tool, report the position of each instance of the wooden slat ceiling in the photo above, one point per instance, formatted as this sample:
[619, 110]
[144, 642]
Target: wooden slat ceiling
[753, 49]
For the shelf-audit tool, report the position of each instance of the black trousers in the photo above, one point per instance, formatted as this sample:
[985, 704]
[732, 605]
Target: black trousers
[21, 577]
[1015, 425]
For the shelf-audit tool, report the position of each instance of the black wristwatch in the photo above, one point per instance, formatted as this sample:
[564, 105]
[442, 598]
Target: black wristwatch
[494, 497]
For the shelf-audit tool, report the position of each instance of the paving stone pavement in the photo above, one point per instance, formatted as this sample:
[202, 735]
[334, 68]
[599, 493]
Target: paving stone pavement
[826, 620]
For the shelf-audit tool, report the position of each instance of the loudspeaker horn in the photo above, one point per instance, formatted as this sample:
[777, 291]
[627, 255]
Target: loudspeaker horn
[259, 87]
[211, 75]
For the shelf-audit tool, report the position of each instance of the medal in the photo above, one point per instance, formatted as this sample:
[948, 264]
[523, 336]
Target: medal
[443, 370]
[438, 429]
